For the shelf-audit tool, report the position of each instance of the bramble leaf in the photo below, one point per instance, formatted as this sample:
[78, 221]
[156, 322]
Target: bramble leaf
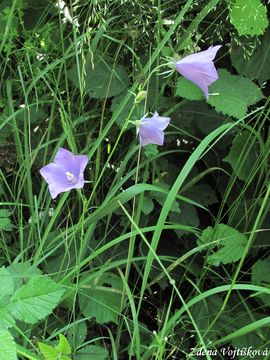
[36, 299]
[205, 312]
[76, 334]
[249, 17]
[7, 346]
[102, 299]
[48, 352]
[5, 223]
[92, 352]
[59, 352]
[255, 66]
[242, 155]
[148, 205]
[63, 345]
[203, 194]
[6, 320]
[227, 244]
[233, 94]
[6, 283]
[186, 216]
[260, 276]
[21, 272]
[260, 272]
[150, 150]
[102, 78]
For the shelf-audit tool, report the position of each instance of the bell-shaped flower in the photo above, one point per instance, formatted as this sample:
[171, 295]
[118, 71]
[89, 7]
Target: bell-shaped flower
[65, 173]
[151, 129]
[199, 68]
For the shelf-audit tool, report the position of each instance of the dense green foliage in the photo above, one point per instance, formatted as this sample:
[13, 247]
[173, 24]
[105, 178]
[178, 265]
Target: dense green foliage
[165, 249]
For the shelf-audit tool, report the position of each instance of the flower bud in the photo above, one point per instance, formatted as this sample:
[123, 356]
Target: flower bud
[140, 96]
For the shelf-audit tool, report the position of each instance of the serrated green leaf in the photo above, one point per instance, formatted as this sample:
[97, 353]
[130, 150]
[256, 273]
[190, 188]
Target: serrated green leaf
[63, 345]
[260, 276]
[6, 320]
[76, 334]
[150, 150]
[6, 283]
[5, 223]
[36, 299]
[22, 272]
[48, 352]
[198, 117]
[59, 352]
[233, 94]
[161, 197]
[255, 66]
[187, 216]
[249, 340]
[103, 299]
[230, 246]
[92, 352]
[249, 17]
[241, 161]
[261, 271]
[205, 312]
[207, 237]
[188, 90]
[203, 194]
[148, 205]
[7, 346]
[231, 251]
[62, 258]
[104, 80]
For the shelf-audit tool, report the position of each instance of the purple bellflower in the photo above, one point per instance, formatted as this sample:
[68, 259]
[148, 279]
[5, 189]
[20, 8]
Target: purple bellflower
[199, 68]
[65, 173]
[151, 129]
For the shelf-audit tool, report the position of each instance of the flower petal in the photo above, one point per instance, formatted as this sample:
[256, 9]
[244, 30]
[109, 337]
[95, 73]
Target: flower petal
[82, 160]
[151, 129]
[202, 75]
[65, 173]
[67, 161]
[199, 68]
[52, 172]
[159, 122]
[56, 179]
[202, 56]
[151, 136]
[57, 188]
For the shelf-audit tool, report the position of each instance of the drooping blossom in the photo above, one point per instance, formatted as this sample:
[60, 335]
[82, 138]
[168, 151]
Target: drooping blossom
[199, 68]
[151, 129]
[65, 173]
